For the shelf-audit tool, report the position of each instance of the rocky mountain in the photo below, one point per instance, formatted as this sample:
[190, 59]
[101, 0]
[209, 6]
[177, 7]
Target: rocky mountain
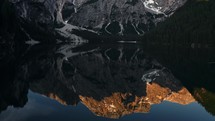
[102, 16]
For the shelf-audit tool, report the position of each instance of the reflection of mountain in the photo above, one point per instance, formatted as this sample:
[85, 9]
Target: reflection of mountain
[13, 92]
[195, 67]
[120, 79]
[111, 82]
[55, 90]
[119, 104]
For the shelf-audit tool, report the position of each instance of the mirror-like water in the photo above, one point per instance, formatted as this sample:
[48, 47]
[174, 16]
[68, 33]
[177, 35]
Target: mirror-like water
[108, 82]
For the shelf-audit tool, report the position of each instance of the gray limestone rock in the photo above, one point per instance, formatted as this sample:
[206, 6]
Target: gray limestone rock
[109, 16]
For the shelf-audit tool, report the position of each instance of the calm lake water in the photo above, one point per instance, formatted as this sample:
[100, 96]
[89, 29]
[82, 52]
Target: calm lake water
[101, 82]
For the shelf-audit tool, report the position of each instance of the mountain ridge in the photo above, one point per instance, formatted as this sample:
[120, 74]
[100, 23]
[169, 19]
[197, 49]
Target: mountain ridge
[124, 16]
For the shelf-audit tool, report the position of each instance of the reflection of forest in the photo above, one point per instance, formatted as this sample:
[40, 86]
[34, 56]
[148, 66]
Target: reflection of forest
[195, 67]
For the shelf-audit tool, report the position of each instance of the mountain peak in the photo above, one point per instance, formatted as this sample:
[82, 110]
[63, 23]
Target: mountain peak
[103, 16]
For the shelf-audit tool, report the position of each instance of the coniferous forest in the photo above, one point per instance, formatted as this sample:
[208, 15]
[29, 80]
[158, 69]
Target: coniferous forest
[192, 25]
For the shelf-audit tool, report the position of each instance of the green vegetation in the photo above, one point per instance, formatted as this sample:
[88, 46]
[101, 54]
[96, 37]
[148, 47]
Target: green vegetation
[193, 24]
[206, 99]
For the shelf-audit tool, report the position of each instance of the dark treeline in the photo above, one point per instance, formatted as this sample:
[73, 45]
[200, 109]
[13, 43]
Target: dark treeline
[185, 44]
[193, 25]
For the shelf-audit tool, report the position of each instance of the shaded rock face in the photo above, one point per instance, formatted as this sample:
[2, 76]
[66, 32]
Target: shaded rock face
[13, 92]
[105, 16]
[111, 82]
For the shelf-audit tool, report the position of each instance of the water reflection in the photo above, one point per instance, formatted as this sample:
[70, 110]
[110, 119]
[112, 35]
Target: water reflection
[110, 80]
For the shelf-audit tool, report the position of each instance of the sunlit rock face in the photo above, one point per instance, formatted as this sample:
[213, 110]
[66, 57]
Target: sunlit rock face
[181, 97]
[103, 16]
[111, 82]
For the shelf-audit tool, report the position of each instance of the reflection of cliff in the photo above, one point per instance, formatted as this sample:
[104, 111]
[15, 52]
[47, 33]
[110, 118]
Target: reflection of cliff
[13, 92]
[194, 66]
[111, 82]
[56, 91]
[119, 104]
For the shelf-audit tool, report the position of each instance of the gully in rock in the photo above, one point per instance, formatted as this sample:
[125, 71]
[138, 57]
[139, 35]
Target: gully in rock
[111, 17]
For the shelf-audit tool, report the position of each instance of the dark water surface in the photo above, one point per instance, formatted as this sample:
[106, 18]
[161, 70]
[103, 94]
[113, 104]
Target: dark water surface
[43, 109]
[100, 82]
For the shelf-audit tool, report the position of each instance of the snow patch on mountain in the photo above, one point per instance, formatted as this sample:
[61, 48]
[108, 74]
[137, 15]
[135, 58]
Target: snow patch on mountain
[152, 6]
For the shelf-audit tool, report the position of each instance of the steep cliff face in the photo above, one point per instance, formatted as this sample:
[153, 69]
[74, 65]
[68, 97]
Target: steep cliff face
[121, 16]
[104, 16]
